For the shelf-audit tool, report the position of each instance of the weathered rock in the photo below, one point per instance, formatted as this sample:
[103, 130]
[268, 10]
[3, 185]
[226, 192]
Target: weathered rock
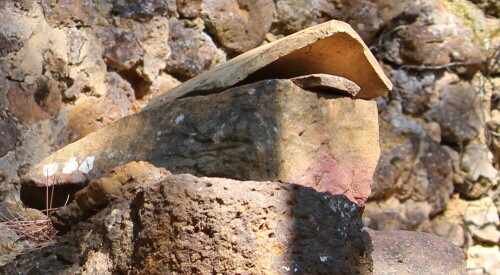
[442, 34]
[121, 49]
[450, 230]
[35, 102]
[196, 225]
[267, 130]
[193, 51]
[141, 9]
[329, 48]
[369, 17]
[458, 112]
[9, 45]
[481, 218]
[72, 13]
[483, 260]
[189, 8]
[293, 16]
[450, 223]
[9, 135]
[413, 178]
[413, 90]
[91, 114]
[404, 252]
[239, 25]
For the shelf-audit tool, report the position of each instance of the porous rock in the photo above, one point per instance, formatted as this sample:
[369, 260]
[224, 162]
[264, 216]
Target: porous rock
[369, 17]
[441, 33]
[191, 225]
[414, 175]
[267, 130]
[193, 51]
[458, 112]
[405, 252]
[9, 135]
[239, 25]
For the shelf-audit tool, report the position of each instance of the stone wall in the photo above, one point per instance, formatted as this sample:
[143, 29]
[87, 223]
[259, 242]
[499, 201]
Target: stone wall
[69, 68]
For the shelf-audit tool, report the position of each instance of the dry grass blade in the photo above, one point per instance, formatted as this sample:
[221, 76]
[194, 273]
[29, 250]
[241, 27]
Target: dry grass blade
[39, 233]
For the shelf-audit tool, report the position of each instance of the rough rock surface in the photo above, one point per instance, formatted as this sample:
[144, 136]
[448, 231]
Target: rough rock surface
[414, 175]
[405, 252]
[58, 41]
[458, 113]
[239, 25]
[282, 132]
[190, 225]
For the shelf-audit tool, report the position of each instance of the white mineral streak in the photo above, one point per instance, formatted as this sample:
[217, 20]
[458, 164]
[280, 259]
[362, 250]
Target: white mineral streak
[179, 118]
[87, 165]
[50, 169]
[70, 166]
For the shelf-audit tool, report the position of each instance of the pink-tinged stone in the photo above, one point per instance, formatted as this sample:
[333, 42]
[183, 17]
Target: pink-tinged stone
[267, 130]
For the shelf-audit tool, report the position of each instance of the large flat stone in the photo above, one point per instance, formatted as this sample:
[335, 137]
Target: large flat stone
[267, 130]
[329, 48]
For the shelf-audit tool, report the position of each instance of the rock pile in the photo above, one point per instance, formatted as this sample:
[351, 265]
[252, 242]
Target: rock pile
[70, 68]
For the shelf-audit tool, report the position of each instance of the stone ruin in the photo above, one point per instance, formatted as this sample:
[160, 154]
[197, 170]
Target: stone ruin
[261, 165]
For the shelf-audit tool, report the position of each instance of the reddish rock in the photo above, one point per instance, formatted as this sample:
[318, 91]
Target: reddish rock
[238, 25]
[121, 49]
[193, 52]
[69, 12]
[32, 103]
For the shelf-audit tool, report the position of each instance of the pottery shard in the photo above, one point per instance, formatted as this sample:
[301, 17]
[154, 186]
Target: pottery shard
[238, 25]
[406, 252]
[267, 130]
[326, 82]
[329, 48]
